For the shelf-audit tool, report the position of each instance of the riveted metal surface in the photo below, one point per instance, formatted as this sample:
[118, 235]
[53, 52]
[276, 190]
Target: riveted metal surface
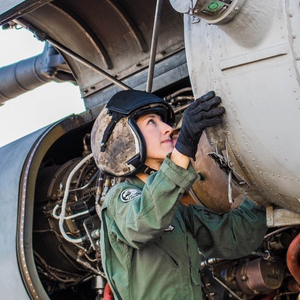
[252, 63]
[12, 160]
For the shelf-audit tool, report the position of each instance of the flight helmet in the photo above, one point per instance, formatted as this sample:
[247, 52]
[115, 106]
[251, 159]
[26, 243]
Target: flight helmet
[118, 146]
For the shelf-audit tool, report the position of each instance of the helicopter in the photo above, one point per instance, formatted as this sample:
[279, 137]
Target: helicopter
[247, 51]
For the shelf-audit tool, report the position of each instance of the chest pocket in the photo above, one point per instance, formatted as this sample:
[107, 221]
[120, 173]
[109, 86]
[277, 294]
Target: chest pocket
[172, 242]
[165, 252]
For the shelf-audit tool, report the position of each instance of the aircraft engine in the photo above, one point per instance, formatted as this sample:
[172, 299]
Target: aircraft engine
[59, 229]
[51, 192]
[66, 227]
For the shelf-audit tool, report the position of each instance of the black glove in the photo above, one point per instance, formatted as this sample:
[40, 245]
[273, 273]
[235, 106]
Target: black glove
[200, 114]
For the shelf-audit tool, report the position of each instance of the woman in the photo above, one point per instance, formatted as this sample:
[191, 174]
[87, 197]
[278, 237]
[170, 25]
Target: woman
[150, 242]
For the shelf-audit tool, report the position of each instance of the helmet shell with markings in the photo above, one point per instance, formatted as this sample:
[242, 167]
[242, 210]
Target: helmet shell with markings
[117, 144]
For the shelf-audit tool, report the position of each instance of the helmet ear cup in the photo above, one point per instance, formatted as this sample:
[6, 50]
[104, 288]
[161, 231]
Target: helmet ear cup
[121, 146]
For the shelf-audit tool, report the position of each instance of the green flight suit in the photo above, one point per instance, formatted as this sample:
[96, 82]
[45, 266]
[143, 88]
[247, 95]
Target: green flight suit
[150, 242]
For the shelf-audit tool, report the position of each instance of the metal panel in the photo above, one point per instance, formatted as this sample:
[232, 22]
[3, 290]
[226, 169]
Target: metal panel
[281, 217]
[172, 69]
[19, 163]
[12, 158]
[253, 64]
[113, 35]
[10, 9]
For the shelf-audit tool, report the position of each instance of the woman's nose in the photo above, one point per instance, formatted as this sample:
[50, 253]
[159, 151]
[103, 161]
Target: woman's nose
[167, 128]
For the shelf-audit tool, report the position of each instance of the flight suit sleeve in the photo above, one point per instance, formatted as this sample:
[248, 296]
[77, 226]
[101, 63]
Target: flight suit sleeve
[230, 235]
[141, 215]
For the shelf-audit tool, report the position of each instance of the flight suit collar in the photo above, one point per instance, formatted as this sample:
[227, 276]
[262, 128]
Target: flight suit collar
[135, 181]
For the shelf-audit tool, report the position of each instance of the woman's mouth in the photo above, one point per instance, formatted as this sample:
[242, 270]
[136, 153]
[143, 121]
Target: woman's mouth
[167, 141]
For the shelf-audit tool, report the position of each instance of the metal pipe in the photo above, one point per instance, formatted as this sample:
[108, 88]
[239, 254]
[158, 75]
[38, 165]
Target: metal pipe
[183, 90]
[230, 199]
[64, 203]
[86, 63]
[20, 77]
[277, 231]
[153, 45]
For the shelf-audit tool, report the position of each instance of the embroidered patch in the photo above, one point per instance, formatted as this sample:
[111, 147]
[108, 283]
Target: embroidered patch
[170, 228]
[130, 194]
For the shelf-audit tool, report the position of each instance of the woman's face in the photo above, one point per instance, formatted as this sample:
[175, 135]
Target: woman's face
[158, 138]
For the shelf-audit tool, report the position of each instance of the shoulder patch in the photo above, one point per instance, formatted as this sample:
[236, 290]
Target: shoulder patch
[130, 194]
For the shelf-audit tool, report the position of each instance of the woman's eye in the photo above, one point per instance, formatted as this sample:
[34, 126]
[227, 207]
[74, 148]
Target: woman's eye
[151, 121]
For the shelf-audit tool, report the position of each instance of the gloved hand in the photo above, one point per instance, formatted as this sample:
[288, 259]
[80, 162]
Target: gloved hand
[200, 114]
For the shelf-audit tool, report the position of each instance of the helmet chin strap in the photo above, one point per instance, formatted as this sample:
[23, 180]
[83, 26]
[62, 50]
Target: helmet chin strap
[146, 170]
[140, 167]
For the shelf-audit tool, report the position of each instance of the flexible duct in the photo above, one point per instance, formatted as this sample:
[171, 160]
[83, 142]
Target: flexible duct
[108, 295]
[292, 258]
